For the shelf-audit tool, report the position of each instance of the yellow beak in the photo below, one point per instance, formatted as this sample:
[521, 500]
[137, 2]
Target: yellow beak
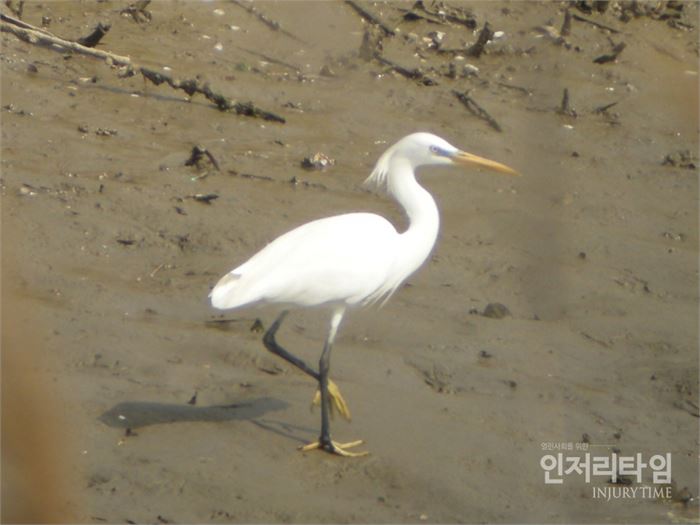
[467, 159]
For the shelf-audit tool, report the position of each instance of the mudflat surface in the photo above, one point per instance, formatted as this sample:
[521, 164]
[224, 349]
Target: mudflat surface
[108, 257]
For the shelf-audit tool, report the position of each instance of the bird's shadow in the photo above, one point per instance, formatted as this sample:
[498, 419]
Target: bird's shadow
[130, 415]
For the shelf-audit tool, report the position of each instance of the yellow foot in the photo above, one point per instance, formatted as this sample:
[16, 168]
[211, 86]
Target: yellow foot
[337, 401]
[336, 448]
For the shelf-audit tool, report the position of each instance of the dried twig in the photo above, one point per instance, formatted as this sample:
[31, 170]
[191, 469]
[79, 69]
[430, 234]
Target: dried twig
[694, 410]
[596, 24]
[476, 109]
[270, 59]
[198, 153]
[409, 15]
[19, 23]
[156, 270]
[554, 35]
[275, 26]
[372, 19]
[485, 35]
[522, 89]
[17, 10]
[604, 108]
[189, 86]
[413, 74]
[38, 36]
[94, 38]
[137, 11]
[565, 108]
[371, 44]
[204, 198]
[456, 15]
[603, 59]
[565, 101]
[250, 176]
[566, 26]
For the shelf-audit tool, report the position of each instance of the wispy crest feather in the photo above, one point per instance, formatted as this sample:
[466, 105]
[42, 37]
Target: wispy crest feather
[377, 181]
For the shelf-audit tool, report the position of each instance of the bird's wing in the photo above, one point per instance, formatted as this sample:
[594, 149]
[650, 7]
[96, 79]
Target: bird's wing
[346, 258]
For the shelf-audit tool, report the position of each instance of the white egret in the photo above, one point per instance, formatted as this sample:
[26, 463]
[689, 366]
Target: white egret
[350, 260]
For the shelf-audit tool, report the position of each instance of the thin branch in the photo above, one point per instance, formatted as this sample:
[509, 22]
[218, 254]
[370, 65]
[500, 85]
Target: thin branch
[372, 19]
[189, 86]
[596, 24]
[485, 35]
[34, 36]
[410, 15]
[522, 89]
[565, 107]
[476, 109]
[94, 38]
[604, 59]
[566, 26]
[275, 26]
[604, 108]
[20, 23]
[456, 15]
[17, 11]
[137, 11]
[270, 59]
[413, 74]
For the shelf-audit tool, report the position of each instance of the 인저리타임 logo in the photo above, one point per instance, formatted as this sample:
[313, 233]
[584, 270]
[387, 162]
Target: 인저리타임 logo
[618, 471]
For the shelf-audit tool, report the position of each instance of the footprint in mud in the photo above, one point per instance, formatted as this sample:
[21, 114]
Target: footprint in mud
[436, 376]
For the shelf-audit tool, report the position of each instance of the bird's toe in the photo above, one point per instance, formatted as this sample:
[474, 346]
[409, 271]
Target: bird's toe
[338, 403]
[332, 447]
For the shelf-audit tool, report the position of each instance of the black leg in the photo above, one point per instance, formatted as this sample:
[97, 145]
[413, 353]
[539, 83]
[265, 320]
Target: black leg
[328, 395]
[272, 345]
[324, 366]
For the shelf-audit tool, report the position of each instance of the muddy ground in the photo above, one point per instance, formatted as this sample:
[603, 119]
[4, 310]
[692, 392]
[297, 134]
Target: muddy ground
[108, 257]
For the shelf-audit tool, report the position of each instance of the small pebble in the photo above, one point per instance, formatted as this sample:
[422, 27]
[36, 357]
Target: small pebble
[105, 132]
[326, 71]
[193, 399]
[26, 190]
[317, 161]
[496, 311]
[684, 496]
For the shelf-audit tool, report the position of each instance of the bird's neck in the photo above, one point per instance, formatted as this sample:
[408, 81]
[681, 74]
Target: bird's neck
[424, 220]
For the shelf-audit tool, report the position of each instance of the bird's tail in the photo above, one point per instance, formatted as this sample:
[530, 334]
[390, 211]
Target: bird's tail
[223, 296]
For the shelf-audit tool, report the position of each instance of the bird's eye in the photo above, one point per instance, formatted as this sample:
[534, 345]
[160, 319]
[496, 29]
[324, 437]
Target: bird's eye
[437, 150]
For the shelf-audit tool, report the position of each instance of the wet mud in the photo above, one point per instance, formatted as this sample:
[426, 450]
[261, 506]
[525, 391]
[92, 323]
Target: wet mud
[558, 307]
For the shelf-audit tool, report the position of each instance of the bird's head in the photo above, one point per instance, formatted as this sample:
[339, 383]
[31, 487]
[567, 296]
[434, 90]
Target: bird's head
[426, 149]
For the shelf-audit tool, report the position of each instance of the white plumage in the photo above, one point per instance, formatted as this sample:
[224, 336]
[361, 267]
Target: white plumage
[348, 260]
[294, 269]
